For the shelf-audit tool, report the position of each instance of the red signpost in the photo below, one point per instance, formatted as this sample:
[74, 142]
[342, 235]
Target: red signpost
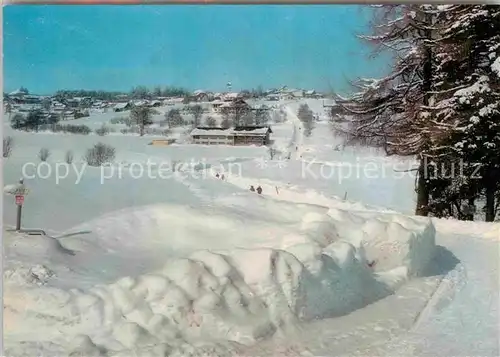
[20, 192]
[19, 200]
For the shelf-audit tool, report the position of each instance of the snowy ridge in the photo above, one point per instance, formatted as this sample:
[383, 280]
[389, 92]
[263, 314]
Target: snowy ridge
[238, 295]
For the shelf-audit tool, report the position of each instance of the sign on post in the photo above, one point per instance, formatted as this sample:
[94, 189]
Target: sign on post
[19, 200]
[19, 191]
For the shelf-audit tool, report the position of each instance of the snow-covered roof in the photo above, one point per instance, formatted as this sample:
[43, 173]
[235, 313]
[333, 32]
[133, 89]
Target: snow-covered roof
[18, 92]
[174, 100]
[28, 107]
[247, 130]
[237, 131]
[198, 92]
[211, 132]
[121, 105]
[229, 96]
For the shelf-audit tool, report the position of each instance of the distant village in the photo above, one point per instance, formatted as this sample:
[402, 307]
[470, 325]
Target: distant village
[67, 107]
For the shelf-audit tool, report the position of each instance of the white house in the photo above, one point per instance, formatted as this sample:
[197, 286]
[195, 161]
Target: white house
[120, 107]
[217, 106]
[240, 135]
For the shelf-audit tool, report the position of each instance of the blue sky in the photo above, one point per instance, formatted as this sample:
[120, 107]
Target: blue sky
[49, 47]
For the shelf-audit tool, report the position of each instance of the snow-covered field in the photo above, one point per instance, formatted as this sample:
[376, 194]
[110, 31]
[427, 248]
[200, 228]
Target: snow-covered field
[152, 261]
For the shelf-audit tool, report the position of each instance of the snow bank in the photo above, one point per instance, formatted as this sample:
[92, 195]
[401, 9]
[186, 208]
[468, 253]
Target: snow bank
[320, 268]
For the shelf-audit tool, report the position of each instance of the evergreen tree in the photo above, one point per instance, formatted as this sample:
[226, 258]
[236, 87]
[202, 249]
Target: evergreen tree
[468, 97]
[306, 116]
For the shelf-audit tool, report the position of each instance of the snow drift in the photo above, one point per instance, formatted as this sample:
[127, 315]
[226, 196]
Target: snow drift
[333, 262]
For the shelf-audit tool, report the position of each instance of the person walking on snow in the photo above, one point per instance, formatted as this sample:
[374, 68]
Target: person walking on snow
[222, 177]
[217, 175]
[252, 188]
[259, 190]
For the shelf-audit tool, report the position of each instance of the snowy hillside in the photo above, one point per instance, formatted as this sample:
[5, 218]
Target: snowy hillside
[326, 261]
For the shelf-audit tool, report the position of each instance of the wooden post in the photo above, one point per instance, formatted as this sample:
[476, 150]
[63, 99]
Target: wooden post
[19, 203]
[18, 221]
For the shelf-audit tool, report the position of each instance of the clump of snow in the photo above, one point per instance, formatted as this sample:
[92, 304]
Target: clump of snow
[37, 274]
[466, 94]
[496, 66]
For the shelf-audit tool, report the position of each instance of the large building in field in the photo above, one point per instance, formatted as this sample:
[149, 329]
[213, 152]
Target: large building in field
[240, 135]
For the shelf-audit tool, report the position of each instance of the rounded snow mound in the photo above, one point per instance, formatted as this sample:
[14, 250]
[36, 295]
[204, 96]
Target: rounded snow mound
[327, 263]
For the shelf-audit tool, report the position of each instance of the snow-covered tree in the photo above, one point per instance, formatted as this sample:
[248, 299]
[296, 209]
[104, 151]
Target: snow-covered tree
[174, 118]
[391, 112]
[262, 116]
[247, 119]
[468, 96]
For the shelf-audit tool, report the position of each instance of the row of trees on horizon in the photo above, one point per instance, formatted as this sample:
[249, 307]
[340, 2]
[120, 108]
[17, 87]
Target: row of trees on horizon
[440, 103]
[138, 92]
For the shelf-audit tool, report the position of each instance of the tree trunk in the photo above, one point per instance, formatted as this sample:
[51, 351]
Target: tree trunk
[471, 206]
[141, 130]
[422, 184]
[422, 208]
[490, 184]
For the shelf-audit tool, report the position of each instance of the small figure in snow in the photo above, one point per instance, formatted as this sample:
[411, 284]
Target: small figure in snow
[217, 175]
[222, 177]
[252, 188]
[259, 190]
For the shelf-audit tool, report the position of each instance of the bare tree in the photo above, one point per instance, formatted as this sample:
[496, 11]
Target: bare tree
[262, 116]
[197, 112]
[226, 122]
[8, 145]
[142, 116]
[272, 152]
[248, 119]
[103, 130]
[157, 91]
[100, 154]
[210, 121]
[174, 118]
[44, 154]
[68, 158]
